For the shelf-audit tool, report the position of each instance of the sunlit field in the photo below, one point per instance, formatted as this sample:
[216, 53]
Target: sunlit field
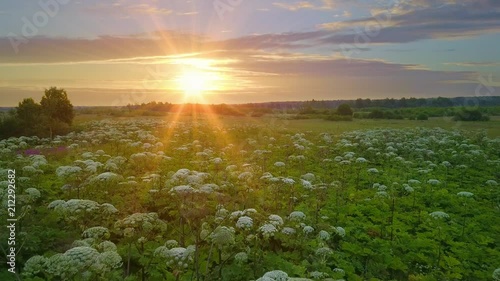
[240, 198]
[250, 140]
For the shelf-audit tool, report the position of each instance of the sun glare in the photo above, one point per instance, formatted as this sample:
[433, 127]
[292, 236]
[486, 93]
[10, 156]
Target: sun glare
[197, 78]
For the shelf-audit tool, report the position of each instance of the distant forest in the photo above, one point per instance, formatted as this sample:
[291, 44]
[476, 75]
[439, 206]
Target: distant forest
[483, 101]
[388, 103]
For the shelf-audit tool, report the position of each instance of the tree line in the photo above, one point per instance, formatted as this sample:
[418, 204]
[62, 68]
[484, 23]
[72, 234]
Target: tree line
[52, 116]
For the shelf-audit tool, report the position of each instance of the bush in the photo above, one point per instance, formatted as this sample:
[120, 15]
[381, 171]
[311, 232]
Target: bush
[422, 116]
[344, 110]
[376, 114]
[470, 115]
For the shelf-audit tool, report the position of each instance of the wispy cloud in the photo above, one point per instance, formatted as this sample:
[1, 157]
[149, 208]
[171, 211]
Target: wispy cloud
[474, 64]
[425, 19]
[306, 5]
[129, 9]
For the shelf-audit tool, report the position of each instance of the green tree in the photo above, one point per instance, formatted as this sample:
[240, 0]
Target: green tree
[57, 110]
[376, 114]
[470, 115]
[29, 112]
[344, 110]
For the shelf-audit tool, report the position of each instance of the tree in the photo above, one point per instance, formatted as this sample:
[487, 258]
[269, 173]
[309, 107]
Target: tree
[57, 110]
[376, 114]
[29, 112]
[344, 110]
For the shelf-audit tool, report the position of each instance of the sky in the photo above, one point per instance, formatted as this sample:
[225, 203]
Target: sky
[119, 52]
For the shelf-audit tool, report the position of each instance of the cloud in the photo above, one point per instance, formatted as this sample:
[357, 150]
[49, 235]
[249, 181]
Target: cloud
[474, 64]
[50, 50]
[424, 19]
[129, 9]
[306, 5]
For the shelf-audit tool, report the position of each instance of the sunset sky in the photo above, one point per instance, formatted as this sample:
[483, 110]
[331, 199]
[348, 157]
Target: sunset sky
[117, 52]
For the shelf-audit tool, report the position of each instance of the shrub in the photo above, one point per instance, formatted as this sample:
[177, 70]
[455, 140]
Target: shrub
[470, 115]
[422, 116]
[344, 110]
[376, 114]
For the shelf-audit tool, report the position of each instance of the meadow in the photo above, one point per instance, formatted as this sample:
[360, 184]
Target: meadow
[209, 197]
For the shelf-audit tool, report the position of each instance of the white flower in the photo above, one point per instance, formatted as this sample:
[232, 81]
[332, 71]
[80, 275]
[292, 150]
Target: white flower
[275, 275]
[465, 194]
[222, 235]
[171, 244]
[182, 189]
[308, 229]
[56, 203]
[288, 231]
[496, 274]
[244, 222]
[30, 170]
[82, 257]
[110, 259]
[108, 209]
[372, 171]
[241, 257]
[279, 164]
[108, 176]
[296, 216]
[276, 220]
[339, 270]
[67, 171]
[439, 215]
[61, 265]
[32, 192]
[340, 231]
[323, 235]
[306, 184]
[308, 177]
[97, 232]
[250, 211]
[268, 230]
[361, 160]
[408, 188]
[34, 265]
[491, 183]
[318, 275]
[413, 182]
[245, 176]
[106, 246]
[433, 182]
[236, 214]
[324, 251]
[446, 164]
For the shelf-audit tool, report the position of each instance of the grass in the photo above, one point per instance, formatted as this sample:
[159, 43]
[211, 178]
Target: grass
[492, 127]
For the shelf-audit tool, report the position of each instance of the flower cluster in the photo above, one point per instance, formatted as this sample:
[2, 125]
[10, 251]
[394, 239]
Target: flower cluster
[244, 222]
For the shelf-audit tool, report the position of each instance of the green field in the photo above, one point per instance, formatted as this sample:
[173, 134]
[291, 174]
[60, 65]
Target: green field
[491, 128]
[210, 197]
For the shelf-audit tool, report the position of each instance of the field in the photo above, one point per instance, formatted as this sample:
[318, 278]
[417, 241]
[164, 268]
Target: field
[268, 198]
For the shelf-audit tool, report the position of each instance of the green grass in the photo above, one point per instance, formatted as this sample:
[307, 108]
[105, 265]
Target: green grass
[492, 127]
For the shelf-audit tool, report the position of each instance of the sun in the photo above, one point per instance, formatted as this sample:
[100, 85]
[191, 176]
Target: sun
[198, 77]
[194, 82]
